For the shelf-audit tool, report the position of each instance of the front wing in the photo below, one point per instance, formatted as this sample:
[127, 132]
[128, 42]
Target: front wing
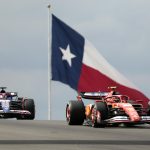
[14, 113]
[125, 119]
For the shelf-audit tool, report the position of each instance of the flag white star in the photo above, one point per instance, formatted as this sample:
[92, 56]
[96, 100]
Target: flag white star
[67, 55]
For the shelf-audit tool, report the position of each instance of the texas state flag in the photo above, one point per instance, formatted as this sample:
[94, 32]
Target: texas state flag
[77, 63]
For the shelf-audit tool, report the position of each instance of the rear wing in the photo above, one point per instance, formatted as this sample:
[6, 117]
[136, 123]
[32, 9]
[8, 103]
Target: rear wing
[93, 95]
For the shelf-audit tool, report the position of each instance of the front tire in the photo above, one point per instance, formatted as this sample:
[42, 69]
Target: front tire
[99, 114]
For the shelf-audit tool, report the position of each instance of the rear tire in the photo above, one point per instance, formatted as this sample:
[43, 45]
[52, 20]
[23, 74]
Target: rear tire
[99, 114]
[75, 113]
[28, 104]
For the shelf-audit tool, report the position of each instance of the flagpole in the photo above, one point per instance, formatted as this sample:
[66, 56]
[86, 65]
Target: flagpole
[49, 66]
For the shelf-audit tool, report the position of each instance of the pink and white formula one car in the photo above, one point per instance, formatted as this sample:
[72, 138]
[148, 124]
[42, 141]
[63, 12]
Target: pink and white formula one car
[12, 106]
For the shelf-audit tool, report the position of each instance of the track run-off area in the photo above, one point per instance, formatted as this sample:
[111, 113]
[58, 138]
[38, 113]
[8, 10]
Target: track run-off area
[40, 134]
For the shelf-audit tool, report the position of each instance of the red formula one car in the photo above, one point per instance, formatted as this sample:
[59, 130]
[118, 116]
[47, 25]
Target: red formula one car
[12, 106]
[109, 108]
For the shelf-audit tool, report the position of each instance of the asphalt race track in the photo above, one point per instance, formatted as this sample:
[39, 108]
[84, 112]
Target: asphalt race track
[55, 135]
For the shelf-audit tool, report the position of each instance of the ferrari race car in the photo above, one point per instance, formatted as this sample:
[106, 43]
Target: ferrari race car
[109, 108]
[12, 106]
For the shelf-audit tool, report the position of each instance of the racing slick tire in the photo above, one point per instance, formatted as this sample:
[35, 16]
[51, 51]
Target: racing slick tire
[99, 114]
[75, 113]
[28, 104]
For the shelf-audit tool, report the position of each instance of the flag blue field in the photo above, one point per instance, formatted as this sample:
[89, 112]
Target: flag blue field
[67, 53]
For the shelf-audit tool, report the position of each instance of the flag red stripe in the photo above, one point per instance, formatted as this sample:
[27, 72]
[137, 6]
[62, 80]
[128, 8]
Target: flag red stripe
[92, 80]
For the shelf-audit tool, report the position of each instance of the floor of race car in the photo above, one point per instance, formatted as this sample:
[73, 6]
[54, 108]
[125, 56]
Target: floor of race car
[37, 135]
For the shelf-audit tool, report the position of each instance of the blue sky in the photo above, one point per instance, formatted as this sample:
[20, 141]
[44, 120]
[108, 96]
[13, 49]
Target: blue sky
[118, 29]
